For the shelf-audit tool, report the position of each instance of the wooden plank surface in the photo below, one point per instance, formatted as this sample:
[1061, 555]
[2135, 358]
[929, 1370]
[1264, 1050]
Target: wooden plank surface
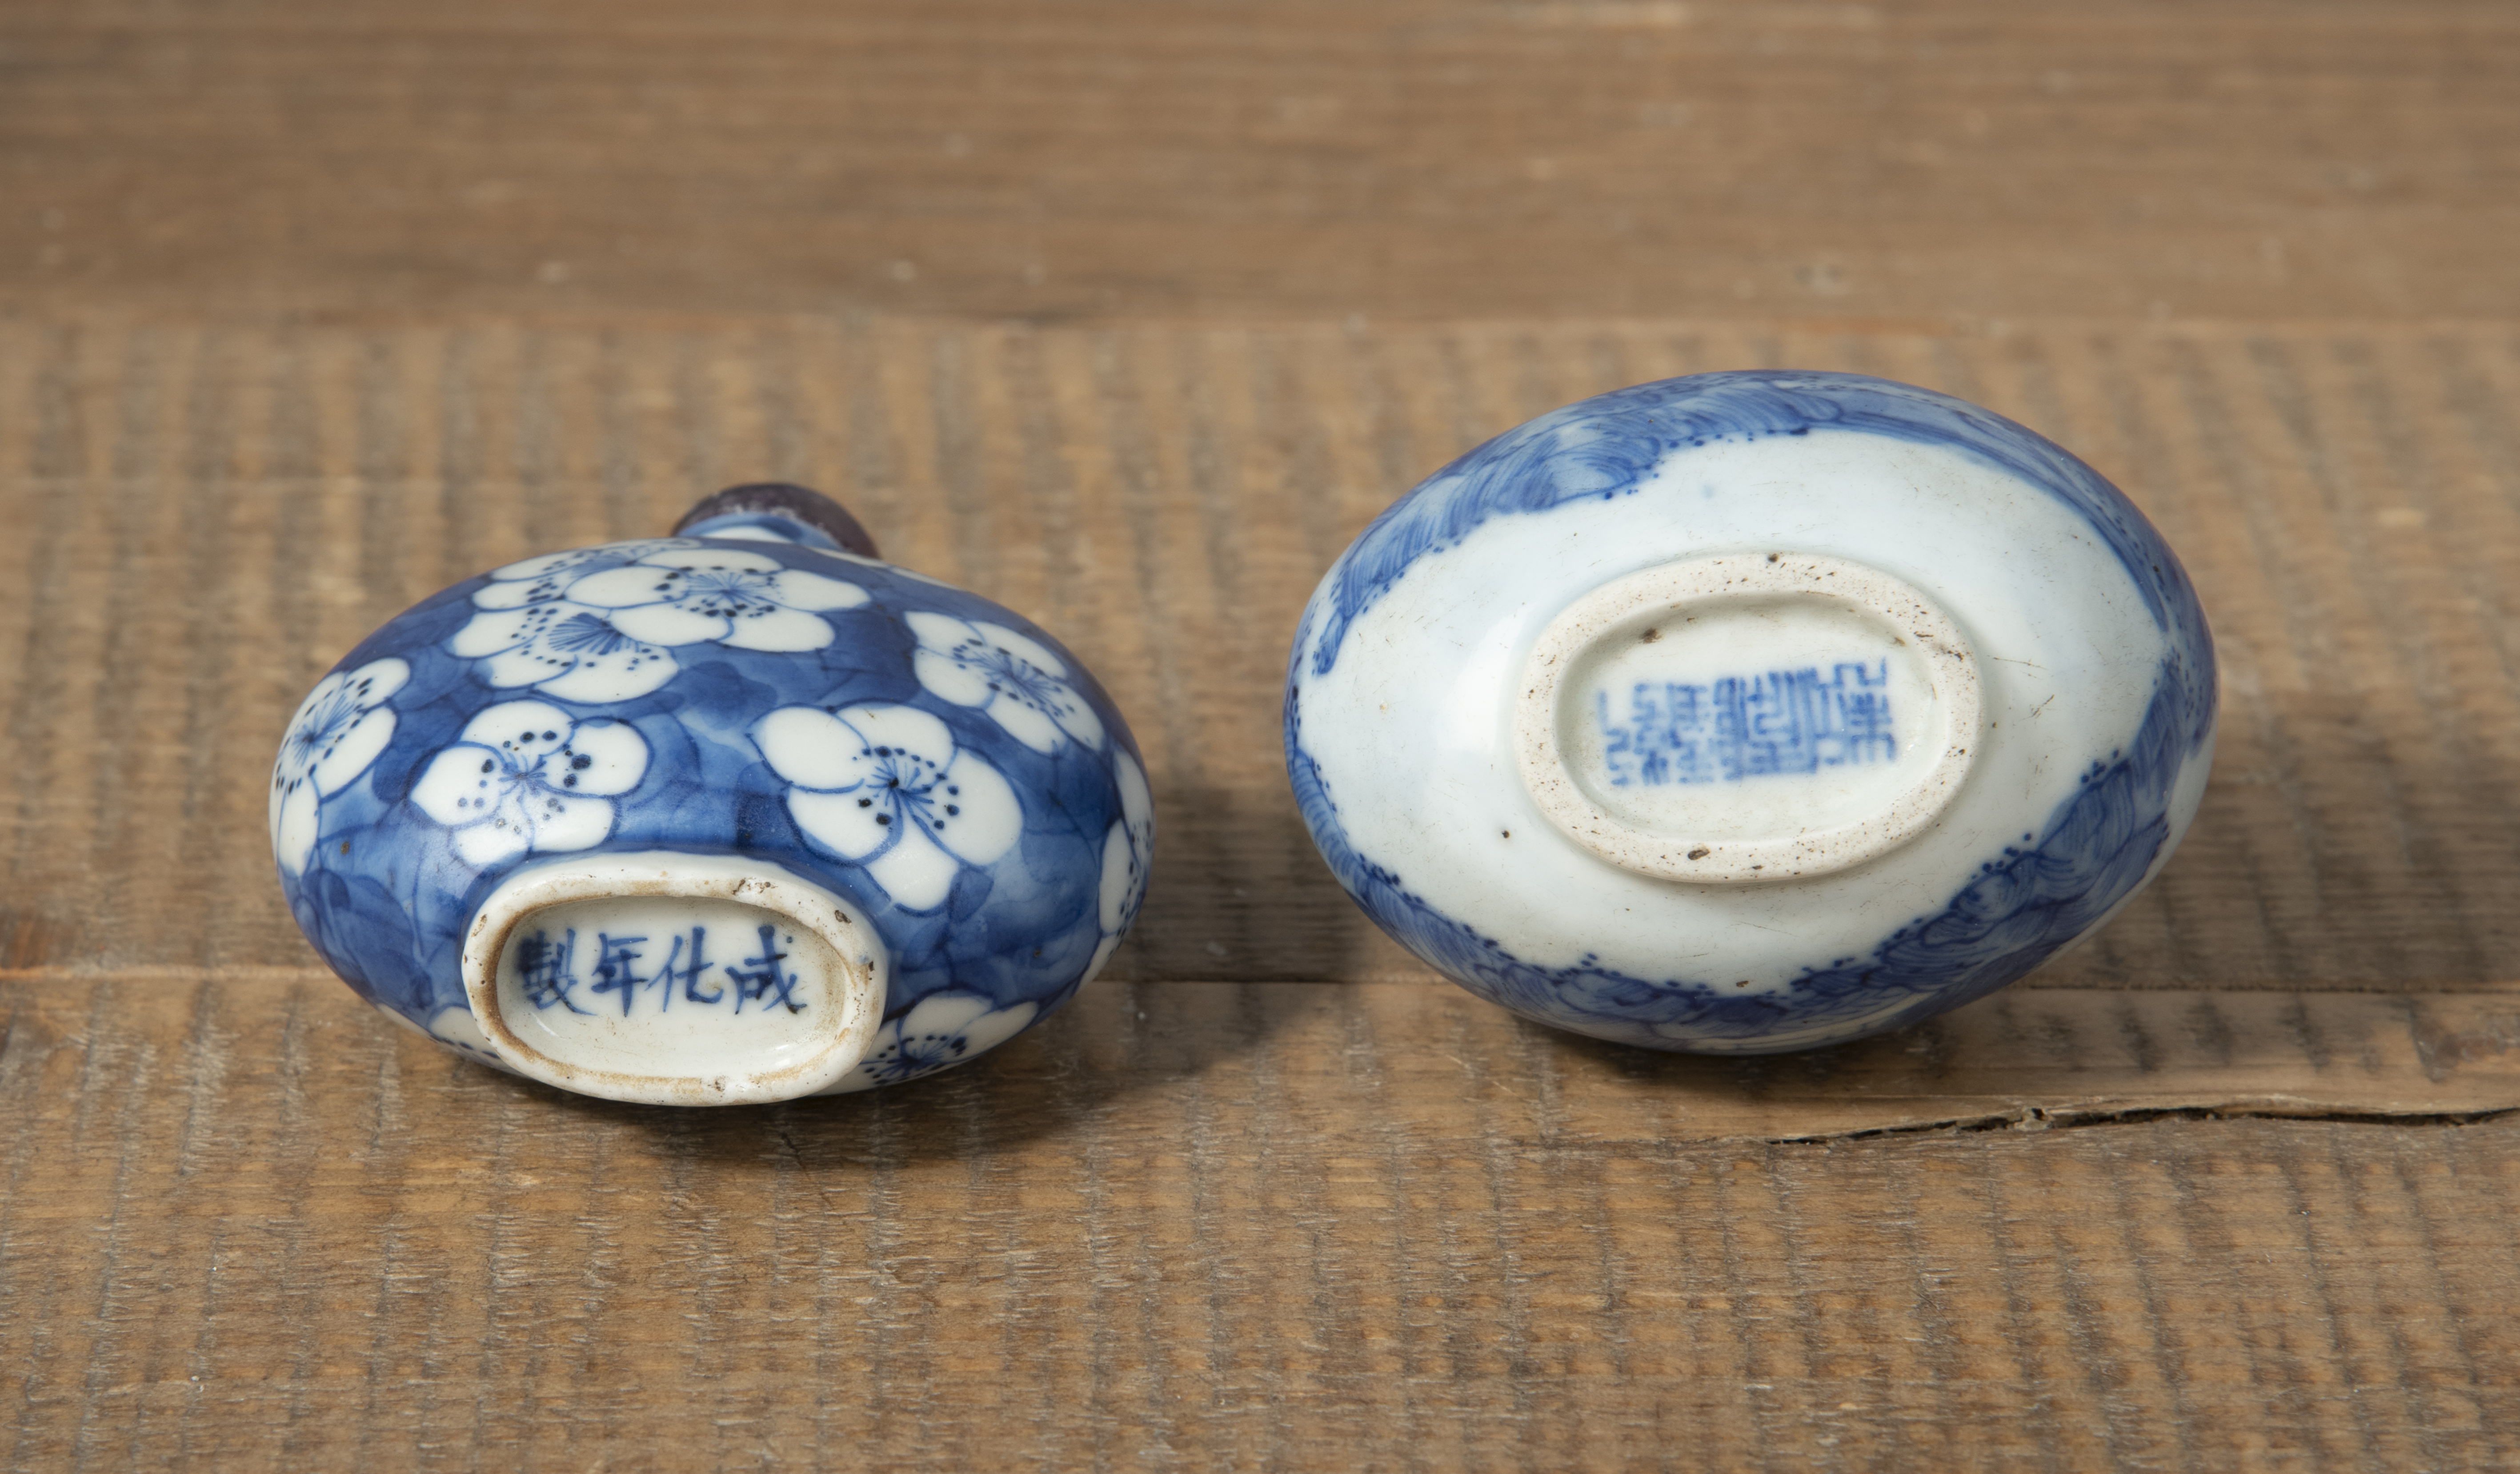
[1226, 1212]
[1130, 317]
[213, 512]
[1933, 160]
[1201, 1226]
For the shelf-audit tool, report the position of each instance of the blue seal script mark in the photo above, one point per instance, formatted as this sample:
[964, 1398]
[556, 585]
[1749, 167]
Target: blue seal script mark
[1778, 723]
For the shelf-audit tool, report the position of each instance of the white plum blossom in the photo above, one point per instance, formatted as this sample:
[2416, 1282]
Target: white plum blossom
[339, 731]
[1129, 850]
[599, 625]
[527, 634]
[886, 787]
[733, 596]
[1128, 858]
[531, 581]
[1015, 680]
[563, 649]
[942, 1028]
[526, 776]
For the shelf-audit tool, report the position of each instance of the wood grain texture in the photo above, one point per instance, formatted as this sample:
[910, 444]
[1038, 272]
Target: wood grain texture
[1131, 316]
[1199, 1227]
[1224, 1215]
[213, 513]
[1417, 159]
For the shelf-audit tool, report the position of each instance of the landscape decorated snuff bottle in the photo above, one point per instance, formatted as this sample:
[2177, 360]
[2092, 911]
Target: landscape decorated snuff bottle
[738, 814]
[1751, 711]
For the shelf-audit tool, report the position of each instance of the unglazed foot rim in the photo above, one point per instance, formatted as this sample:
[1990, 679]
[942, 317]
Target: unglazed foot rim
[1620, 688]
[815, 1002]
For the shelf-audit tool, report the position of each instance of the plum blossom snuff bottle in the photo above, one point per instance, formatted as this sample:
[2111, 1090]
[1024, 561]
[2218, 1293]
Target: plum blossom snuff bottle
[740, 814]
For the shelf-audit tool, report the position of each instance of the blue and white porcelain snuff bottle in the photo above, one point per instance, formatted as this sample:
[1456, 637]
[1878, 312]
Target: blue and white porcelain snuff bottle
[1751, 711]
[734, 815]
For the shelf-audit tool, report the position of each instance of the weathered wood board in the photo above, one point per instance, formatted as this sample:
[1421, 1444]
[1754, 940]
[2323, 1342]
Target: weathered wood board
[1268, 1190]
[1130, 317]
[1429, 160]
[1261, 1225]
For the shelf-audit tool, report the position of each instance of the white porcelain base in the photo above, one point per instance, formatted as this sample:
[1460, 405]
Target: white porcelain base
[674, 979]
[1748, 717]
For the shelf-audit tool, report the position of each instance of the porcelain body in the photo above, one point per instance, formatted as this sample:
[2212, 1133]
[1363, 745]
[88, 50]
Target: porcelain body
[1751, 711]
[771, 799]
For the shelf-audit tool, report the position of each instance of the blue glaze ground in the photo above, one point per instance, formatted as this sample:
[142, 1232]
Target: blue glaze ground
[2024, 904]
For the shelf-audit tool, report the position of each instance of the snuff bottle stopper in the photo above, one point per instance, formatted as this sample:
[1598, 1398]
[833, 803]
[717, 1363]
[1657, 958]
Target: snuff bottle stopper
[1751, 711]
[738, 815]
